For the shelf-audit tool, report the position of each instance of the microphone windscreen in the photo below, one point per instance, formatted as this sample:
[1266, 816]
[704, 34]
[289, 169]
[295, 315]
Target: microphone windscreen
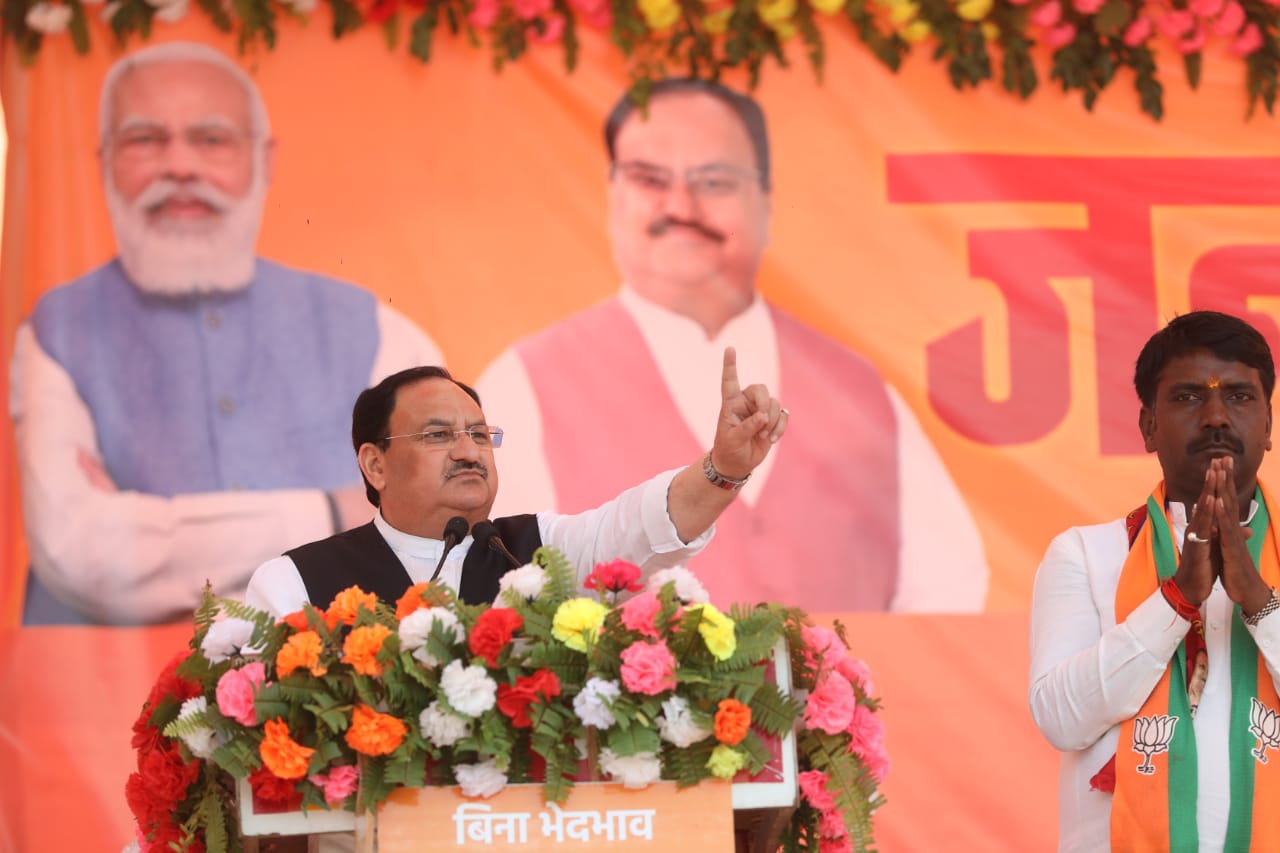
[483, 532]
[455, 530]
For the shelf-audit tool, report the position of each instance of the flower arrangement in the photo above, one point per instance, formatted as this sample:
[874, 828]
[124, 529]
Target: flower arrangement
[335, 708]
[1087, 41]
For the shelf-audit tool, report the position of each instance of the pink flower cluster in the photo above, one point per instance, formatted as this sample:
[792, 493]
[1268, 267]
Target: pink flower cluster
[833, 705]
[833, 834]
[235, 692]
[648, 668]
[1189, 29]
[338, 784]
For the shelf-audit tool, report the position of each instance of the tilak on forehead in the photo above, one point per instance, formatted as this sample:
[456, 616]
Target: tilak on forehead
[1214, 382]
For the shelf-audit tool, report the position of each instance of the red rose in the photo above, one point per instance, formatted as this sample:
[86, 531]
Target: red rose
[146, 809]
[614, 577]
[165, 775]
[514, 701]
[493, 632]
[270, 789]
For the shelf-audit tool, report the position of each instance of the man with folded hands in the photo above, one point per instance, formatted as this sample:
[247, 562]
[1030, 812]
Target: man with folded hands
[427, 456]
[1155, 642]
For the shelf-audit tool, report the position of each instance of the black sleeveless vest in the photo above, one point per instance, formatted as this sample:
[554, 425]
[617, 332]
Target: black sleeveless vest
[361, 556]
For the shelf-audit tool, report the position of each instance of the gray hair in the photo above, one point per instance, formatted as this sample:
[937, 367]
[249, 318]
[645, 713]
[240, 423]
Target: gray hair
[181, 51]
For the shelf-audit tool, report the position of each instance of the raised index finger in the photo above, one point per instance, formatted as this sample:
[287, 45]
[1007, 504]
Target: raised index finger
[729, 387]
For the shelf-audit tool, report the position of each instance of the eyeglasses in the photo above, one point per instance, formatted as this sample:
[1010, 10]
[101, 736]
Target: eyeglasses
[714, 180]
[483, 436]
[213, 143]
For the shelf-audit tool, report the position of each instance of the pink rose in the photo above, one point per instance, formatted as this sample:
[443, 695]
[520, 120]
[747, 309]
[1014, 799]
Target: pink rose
[235, 692]
[640, 614]
[527, 10]
[1047, 15]
[813, 784]
[1230, 21]
[1249, 41]
[830, 705]
[1138, 31]
[648, 668]
[1060, 36]
[338, 784]
[866, 731]
[484, 14]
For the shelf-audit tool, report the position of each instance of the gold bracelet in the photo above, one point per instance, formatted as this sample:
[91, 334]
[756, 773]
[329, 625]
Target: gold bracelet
[1273, 604]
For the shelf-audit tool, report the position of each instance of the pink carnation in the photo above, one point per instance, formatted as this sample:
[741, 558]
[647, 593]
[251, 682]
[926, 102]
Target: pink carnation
[857, 672]
[1047, 14]
[552, 30]
[1206, 8]
[484, 14]
[235, 692]
[1138, 31]
[1230, 21]
[1249, 41]
[1087, 7]
[866, 731]
[835, 845]
[1060, 36]
[648, 668]
[813, 784]
[527, 10]
[338, 784]
[640, 614]
[877, 762]
[831, 825]
[830, 705]
[1176, 22]
[1194, 42]
[822, 646]
[597, 13]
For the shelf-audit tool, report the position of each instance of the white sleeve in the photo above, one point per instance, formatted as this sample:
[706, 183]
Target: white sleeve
[635, 526]
[276, 587]
[128, 557]
[525, 483]
[401, 345]
[1087, 673]
[942, 563]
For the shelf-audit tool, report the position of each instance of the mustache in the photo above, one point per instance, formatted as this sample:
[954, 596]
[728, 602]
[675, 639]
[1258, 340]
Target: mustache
[664, 224]
[163, 190]
[1215, 439]
[465, 465]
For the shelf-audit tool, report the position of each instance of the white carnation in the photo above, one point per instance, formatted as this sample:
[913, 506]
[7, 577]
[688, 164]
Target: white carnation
[677, 725]
[480, 780]
[204, 740]
[225, 638]
[688, 588]
[592, 704]
[469, 689]
[633, 771]
[522, 584]
[416, 628]
[48, 18]
[441, 727]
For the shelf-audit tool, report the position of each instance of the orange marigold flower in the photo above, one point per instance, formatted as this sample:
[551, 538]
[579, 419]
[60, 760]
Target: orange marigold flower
[372, 733]
[301, 651]
[362, 646]
[347, 604]
[298, 620]
[281, 754]
[420, 595]
[733, 720]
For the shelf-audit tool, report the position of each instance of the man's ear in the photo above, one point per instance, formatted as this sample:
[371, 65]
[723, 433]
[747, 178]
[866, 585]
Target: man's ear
[1147, 426]
[1268, 447]
[372, 465]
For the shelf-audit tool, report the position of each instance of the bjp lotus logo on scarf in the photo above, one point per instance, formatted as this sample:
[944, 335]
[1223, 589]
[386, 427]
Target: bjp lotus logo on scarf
[1151, 736]
[1264, 724]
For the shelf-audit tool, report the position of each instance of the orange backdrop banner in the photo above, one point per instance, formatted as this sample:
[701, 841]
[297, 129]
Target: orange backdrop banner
[999, 262]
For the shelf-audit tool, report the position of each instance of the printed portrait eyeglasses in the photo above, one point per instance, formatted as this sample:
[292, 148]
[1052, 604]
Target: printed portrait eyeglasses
[483, 435]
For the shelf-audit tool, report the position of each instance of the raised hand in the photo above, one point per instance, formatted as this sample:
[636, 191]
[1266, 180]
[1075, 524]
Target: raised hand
[1196, 572]
[1240, 578]
[750, 422]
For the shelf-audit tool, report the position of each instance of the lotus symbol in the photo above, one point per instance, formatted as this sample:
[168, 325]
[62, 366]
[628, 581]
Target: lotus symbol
[1264, 724]
[1152, 735]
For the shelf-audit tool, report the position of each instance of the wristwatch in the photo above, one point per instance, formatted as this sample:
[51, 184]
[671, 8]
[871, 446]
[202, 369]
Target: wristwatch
[719, 480]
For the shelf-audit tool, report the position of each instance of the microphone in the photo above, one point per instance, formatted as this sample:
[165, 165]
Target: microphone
[486, 536]
[455, 530]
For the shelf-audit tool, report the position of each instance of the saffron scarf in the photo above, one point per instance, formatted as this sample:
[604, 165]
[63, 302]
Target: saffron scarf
[1154, 806]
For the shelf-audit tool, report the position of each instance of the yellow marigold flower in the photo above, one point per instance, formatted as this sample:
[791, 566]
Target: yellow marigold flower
[974, 10]
[577, 622]
[372, 733]
[990, 31]
[775, 12]
[725, 761]
[717, 22]
[347, 603]
[903, 12]
[916, 31]
[660, 14]
[362, 646]
[828, 6]
[718, 633]
[281, 754]
[301, 651]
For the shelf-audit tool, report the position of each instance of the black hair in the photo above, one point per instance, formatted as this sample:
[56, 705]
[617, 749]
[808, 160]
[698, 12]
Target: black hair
[743, 106]
[371, 415]
[1227, 337]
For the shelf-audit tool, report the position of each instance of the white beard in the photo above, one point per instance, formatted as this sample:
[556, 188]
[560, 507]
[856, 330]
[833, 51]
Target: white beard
[180, 258]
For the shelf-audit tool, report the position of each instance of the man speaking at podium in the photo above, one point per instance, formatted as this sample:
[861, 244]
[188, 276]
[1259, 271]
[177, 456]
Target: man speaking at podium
[427, 456]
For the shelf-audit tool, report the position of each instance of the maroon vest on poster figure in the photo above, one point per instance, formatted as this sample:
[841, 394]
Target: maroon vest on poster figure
[824, 534]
